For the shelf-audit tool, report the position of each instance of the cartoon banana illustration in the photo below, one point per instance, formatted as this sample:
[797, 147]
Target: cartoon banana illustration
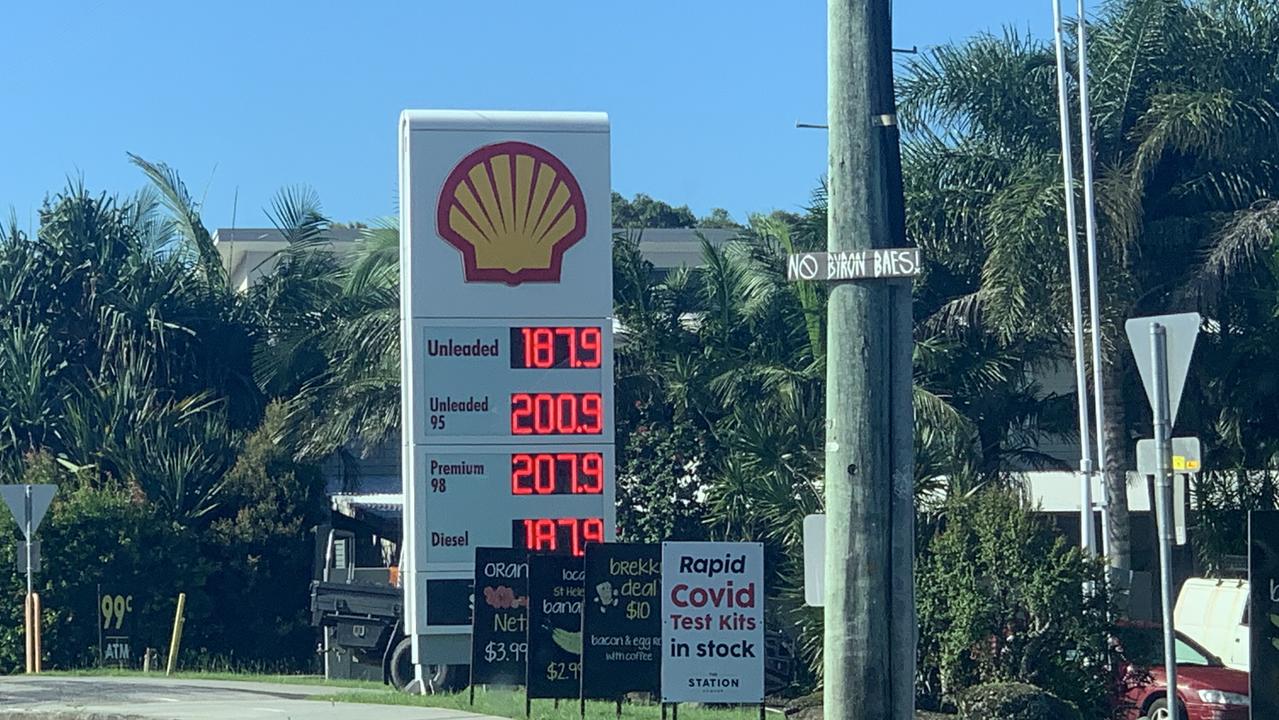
[570, 642]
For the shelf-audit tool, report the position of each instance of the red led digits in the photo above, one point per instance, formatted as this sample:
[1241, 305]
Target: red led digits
[592, 414]
[592, 532]
[557, 535]
[539, 347]
[563, 473]
[545, 406]
[593, 472]
[592, 347]
[522, 473]
[557, 414]
[570, 336]
[544, 474]
[546, 348]
[521, 412]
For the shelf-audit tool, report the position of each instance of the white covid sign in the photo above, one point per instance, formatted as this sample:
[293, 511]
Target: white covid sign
[712, 622]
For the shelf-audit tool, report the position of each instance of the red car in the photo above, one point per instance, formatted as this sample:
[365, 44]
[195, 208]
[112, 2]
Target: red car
[1206, 689]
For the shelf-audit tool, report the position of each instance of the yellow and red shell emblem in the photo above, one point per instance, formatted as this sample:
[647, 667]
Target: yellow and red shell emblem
[512, 209]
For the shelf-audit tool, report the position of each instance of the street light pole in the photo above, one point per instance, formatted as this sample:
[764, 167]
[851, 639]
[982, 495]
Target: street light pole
[1094, 283]
[1087, 532]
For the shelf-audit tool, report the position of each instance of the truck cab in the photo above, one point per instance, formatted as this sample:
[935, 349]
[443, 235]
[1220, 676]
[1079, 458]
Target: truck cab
[357, 602]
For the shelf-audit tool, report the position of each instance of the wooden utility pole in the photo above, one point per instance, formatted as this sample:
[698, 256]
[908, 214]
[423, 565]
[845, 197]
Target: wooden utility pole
[870, 618]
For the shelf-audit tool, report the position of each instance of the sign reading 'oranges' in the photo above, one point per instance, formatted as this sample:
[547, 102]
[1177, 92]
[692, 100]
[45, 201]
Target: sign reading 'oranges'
[512, 209]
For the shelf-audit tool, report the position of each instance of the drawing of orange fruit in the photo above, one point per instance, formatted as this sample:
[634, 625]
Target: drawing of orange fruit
[512, 209]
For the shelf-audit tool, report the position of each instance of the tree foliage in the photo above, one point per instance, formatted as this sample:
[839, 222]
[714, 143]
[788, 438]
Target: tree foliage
[1184, 96]
[127, 379]
[643, 211]
[1000, 600]
[118, 358]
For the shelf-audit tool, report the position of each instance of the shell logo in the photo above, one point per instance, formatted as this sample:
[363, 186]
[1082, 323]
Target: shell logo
[512, 209]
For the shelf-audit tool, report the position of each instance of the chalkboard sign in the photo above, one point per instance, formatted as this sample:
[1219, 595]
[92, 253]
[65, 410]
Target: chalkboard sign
[555, 593]
[1263, 580]
[499, 632]
[621, 621]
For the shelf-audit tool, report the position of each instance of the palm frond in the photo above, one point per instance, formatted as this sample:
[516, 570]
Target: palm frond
[185, 213]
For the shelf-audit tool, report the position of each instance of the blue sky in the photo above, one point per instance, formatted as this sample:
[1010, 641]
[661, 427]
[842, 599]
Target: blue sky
[244, 98]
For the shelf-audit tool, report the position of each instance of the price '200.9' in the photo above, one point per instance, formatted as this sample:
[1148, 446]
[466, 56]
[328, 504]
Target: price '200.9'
[557, 413]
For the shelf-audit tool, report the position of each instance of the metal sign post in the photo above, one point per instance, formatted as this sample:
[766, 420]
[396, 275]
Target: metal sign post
[1162, 347]
[29, 503]
[1163, 499]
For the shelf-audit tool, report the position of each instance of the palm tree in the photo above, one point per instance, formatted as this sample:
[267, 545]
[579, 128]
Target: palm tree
[1187, 111]
[722, 366]
[331, 349]
[117, 358]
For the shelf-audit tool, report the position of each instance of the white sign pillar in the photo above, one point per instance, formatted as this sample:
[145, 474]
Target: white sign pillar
[506, 351]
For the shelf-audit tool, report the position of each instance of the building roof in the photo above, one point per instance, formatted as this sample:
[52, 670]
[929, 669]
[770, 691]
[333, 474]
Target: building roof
[248, 253]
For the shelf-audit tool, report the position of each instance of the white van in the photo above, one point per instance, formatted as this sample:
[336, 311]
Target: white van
[1214, 613]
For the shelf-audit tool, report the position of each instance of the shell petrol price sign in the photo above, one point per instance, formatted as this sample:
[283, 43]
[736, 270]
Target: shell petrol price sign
[507, 359]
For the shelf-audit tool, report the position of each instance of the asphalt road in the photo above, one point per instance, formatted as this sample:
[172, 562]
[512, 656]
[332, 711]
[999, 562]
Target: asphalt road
[48, 697]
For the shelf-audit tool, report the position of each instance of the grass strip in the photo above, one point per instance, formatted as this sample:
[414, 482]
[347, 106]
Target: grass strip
[510, 704]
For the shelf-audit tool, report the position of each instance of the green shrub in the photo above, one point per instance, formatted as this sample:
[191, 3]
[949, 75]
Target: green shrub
[245, 565]
[259, 545]
[95, 537]
[1014, 701]
[1000, 599]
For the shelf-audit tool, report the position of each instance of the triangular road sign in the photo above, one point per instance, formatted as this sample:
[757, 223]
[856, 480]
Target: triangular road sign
[1183, 330]
[15, 496]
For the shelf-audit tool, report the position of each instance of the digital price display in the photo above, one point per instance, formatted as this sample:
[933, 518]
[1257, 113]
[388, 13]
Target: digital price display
[557, 473]
[544, 348]
[557, 414]
[517, 381]
[482, 496]
[561, 536]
